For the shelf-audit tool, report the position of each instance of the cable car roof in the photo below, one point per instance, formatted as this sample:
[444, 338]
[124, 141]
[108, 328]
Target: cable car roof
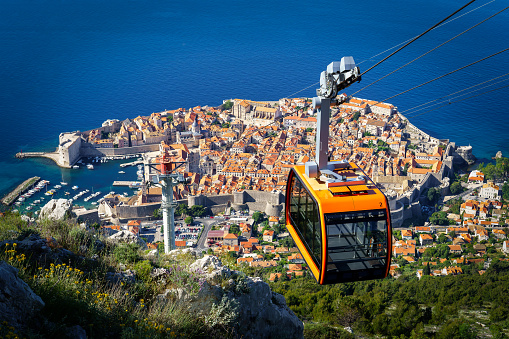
[349, 196]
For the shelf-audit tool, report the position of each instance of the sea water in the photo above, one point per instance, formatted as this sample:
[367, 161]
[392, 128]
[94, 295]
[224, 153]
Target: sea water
[70, 65]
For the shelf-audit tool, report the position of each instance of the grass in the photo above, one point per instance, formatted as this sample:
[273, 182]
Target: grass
[78, 293]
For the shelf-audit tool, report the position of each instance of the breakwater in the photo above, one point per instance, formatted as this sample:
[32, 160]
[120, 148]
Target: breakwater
[9, 198]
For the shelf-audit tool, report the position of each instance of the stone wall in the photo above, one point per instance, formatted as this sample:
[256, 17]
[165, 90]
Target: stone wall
[270, 203]
[88, 150]
[134, 212]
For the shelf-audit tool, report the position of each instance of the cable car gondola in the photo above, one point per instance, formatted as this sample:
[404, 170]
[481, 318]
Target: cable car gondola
[344, 231]
[336, 215]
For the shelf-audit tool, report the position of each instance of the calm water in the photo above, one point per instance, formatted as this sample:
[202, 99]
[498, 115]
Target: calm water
[70, 65]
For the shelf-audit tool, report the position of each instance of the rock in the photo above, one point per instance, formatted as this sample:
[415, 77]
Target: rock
[126, 276]
[56, 209]
[76, 332]
[212, 268]
[498, 155]
[41, 250]
[160, 274]
[18, 303]
[128, 238]
[153, 253]
[262, 313]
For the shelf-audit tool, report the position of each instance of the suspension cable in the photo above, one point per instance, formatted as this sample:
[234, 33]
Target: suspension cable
[449, 73]
[414, 109]
[431, 50]
[417, 37]
[445, 23]
[452, 102]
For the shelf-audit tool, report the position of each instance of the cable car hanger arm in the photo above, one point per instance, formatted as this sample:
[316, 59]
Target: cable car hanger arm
[338, 76]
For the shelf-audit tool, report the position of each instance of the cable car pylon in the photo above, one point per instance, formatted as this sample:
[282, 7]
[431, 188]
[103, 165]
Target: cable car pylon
[167, 178]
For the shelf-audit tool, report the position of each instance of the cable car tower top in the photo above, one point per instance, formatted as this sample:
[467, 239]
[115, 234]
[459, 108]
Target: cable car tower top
[338, 76]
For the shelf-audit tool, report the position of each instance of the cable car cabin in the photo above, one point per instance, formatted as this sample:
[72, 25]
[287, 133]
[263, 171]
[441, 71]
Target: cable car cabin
[341, 227]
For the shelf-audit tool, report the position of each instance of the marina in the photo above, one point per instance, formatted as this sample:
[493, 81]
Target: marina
[72, 184]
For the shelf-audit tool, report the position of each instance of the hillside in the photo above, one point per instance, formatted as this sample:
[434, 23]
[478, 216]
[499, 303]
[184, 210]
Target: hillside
[60, 279]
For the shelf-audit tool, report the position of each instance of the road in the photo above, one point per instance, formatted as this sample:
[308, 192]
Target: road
[463, 194]
[153, 233]
[207, 226]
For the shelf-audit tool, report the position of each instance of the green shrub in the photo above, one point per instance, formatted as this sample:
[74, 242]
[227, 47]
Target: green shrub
[126, 253]
[143, 269]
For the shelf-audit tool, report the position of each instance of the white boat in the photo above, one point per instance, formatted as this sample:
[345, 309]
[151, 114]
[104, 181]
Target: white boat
[75, 167]
[29, 208]
[58, 186]
[63, 183]
[75, 187]
[121, 172]
[90, 166]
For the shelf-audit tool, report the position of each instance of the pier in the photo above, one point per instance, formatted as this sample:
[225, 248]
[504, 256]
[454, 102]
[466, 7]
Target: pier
[134, 163]
[9, 198]
[127, 183]
[49, 155]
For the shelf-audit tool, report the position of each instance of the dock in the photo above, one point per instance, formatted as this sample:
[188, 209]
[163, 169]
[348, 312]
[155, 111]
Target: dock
[127, 183]
[134, 163]
[9, 198]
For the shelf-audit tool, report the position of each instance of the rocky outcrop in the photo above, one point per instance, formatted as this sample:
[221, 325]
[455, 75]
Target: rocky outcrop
[246, 304]
[18, 303]
[56, 209]
[42, 250]
[127, 237]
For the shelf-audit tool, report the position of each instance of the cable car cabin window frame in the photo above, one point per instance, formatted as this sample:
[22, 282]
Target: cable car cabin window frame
[357, 245]
[304, 216]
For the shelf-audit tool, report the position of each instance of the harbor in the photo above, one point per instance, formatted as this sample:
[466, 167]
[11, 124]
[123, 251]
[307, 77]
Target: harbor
[87, 188]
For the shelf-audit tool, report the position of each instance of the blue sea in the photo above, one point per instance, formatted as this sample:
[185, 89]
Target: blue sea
[70, 65]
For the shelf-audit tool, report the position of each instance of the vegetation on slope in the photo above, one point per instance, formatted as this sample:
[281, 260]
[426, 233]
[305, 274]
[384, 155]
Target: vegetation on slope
[464, 306]
[89, 287]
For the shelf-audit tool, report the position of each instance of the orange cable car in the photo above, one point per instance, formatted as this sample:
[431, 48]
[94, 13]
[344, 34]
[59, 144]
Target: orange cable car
[342, 231]
[336, 215]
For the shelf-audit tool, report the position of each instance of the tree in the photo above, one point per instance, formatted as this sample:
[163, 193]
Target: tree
[433, 195]
[182, 209]
[287, 242]
[442, 239]
[439, 218]
[227, 105]
[157, 213]
[197, 211]
[257, 216]
[189, 220]
[426, 271]
[356, 116]
[235, 229]
[456, 188]
[505, 191]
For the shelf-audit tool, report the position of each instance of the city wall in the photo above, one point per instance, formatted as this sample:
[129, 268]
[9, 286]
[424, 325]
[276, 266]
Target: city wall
[88, 150]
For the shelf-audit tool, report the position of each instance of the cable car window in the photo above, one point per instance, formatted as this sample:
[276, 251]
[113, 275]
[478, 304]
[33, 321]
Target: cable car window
[357, 241]
[305, 220]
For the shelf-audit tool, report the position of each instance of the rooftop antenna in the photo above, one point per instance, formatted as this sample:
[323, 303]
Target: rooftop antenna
[338, 76]
[167, 178]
